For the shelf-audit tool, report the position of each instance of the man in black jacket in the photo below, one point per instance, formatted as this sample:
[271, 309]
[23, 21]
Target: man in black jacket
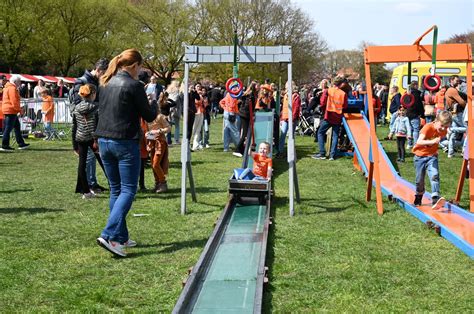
[414, 113]
[214, 95]
[90, 77]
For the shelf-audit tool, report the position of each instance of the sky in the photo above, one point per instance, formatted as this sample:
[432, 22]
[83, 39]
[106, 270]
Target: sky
[344, 24]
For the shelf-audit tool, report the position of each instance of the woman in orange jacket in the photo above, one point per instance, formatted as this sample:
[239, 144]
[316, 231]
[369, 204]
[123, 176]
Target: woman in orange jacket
[11, 109]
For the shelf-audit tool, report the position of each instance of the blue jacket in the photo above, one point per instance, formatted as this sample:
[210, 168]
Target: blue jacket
[401, 127]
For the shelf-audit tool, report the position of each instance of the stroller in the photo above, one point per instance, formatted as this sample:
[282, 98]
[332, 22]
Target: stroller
[306, 123]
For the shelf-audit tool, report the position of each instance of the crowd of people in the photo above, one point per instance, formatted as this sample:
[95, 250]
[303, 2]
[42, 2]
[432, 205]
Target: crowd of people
[123, 119]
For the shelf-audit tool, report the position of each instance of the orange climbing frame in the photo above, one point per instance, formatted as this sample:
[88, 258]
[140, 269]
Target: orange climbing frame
[417, 53]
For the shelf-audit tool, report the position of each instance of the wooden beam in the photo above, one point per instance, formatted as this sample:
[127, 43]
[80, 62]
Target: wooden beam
[418, 53]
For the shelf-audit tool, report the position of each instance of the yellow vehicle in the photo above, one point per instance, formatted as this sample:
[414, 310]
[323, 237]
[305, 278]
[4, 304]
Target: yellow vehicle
[421, 69]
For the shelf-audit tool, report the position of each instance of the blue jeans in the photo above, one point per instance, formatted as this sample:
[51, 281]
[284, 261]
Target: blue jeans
[11, 122]
[283, 132]
[415, 128]
[392, 119]
[205, 128]
[121, 160]
[231, 130]
[90, 168]
[422, 166]
[48, 129]
[325, 125]
[429, 119]
[457, 126]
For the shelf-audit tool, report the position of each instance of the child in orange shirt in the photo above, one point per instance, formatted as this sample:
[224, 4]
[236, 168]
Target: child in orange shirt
[262, 164]
[157, 146]
[47, 109]
[426, 157]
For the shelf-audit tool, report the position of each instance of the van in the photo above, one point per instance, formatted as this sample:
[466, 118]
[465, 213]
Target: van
[421, 69]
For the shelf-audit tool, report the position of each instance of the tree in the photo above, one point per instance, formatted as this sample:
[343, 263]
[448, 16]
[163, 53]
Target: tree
[19, 35]
[160, 28]
[78, 32]
[254, 26]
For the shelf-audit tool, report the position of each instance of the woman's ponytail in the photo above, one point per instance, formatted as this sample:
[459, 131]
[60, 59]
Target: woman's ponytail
[111, 71]
[126, 58]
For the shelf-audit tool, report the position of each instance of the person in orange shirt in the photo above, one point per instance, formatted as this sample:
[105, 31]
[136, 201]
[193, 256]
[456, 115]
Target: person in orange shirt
[426, 157]
[157, 146]
[284, 115]
[262, 164]
[231, 121]
[47, 108]
[3, 81]
[439, 99]
[11, 109]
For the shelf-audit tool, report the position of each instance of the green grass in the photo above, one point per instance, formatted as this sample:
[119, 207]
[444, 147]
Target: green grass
[335, 255]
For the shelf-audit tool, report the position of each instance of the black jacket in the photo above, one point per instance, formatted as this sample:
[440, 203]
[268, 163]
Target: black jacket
[244, 109]
[395, 104]
[417, 110]
[122, 102]
[86, 78]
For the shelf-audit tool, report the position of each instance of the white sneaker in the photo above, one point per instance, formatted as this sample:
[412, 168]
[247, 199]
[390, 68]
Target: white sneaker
[112, 246]
[208, 146]
[91, 194]
[130, 243]
[237, 154]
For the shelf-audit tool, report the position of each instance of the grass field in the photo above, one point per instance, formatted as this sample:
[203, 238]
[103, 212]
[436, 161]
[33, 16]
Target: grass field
[335, 255]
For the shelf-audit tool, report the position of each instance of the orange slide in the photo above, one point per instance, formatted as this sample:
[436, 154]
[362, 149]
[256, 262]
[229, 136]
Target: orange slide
[453, 223]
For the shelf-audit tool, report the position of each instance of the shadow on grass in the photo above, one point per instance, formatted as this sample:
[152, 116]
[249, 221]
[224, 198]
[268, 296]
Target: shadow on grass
[51, 149]
[280, 165]
[177, 164]
[175, 193]
[19, 210]
[168, 247]
[15, 191]
[321, 205]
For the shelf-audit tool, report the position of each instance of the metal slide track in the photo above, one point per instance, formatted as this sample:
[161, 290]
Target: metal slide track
[453, 223]
[230, 272]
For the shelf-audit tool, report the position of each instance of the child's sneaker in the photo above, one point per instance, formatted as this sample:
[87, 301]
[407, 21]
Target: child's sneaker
[438, 202]
[112, 246]
[418, 199]
[162, 187]
[91, 194]
[130, 243]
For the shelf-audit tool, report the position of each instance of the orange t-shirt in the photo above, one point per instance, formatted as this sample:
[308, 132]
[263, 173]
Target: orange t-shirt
[48, 108]
[430, 133]
[261, 165]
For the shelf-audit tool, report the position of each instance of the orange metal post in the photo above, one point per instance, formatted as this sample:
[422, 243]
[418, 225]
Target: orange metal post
[414, 53]
[417, 42]
[470, 130]
[373, 137]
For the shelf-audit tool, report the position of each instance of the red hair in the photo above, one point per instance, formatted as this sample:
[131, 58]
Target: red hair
[126, 58]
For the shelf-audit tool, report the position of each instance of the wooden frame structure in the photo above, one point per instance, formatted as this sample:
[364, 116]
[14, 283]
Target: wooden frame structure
[417, 53]
[240, 54]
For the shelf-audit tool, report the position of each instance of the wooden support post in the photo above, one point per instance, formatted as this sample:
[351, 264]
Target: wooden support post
[462, 177]
[373, 138]
[370, 176]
